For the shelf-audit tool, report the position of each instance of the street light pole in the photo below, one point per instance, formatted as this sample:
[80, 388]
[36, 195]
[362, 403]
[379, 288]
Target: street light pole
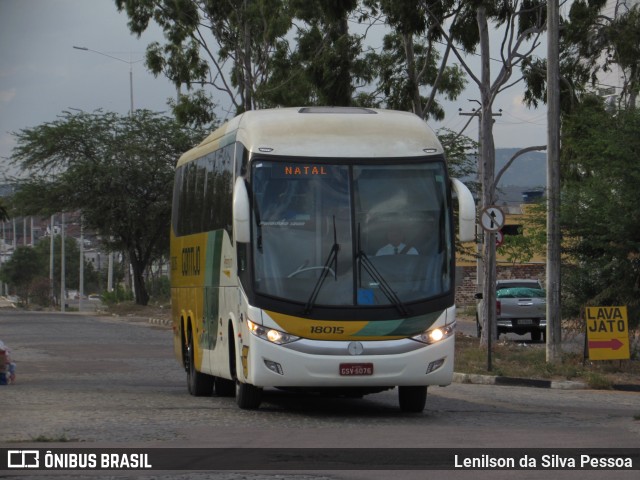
[129, 62]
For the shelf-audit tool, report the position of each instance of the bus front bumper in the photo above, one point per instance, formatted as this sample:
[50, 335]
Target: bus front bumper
[308, 363]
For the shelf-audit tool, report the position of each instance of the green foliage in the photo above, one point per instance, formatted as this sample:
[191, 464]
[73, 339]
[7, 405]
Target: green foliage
[601, 208]
[460, 165]
[512, 360]
[245, 49]
[591, 43]
[160, 288]
[21, 270]
[118, 171]
[517, 248]
[226, 46]
[72, 264]
[28, 271]
[459, 162]
[531, 239]
[4, 213]
[117, 295]
[409, 70]
[402, 86]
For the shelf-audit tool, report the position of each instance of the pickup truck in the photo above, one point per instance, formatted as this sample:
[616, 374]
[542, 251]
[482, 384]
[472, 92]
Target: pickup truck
[521, 307]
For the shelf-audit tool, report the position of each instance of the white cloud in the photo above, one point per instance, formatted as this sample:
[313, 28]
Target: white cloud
[7, 95]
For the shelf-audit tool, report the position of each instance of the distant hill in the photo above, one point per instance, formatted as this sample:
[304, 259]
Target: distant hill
[527, 172]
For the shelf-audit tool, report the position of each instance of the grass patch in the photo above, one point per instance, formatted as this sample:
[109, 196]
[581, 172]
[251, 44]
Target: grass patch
[125, 309]
[511, 359]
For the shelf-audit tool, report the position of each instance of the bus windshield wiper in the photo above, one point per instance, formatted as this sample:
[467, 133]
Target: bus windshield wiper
[380, 280]
[331, 258]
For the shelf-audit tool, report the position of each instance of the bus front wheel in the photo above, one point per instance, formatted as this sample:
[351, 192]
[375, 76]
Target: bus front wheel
[248, 397]
[412, 398]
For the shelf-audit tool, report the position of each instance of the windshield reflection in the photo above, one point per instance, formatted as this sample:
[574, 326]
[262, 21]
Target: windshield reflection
[345, 235]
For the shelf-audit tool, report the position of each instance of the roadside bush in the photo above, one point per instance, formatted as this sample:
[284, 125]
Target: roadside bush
[119, 294]
[40, 291]
[159, 289]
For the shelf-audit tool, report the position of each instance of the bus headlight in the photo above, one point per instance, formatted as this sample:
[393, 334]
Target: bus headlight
[437, 334]
[270, 334]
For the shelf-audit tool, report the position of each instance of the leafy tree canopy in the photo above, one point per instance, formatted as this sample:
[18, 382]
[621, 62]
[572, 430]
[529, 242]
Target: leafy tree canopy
[600, 178]
[117, 170]
[592, 43]
[4, 213]
[270, 53]
[21, 269]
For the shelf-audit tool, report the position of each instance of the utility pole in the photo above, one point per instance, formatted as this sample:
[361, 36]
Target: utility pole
[81, 273]
[554, 331]
[486, 241]
[478, 113]
[51, 258]
[63, 287]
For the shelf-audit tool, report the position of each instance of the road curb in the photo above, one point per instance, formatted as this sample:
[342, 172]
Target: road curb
[477, 379]
[163, 322]
[517, 382]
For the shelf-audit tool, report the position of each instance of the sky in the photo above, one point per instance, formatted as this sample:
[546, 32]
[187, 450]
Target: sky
[42, 75]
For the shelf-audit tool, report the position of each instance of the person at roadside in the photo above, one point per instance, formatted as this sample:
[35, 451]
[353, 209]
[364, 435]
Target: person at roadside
[7, 368]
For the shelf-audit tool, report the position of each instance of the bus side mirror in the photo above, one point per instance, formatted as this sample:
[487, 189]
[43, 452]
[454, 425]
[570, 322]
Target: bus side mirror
[241, 211]
[467, 213]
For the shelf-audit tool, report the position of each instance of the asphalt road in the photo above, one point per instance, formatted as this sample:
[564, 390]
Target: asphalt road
[99, 382]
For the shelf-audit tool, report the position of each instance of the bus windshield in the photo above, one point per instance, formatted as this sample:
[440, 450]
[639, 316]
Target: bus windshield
[350, 234]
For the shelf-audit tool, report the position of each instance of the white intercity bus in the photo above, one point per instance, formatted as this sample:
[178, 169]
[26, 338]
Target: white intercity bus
[313, 248]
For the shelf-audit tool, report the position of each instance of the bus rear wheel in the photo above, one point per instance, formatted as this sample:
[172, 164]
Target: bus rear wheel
[412, 398]
[199, 384]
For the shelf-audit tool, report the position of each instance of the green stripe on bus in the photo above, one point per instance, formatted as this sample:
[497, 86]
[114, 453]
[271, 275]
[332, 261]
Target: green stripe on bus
[211, 288]
[402, 327]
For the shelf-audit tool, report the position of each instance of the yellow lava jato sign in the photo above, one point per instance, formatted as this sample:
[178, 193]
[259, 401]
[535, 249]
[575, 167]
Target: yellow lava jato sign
[607, 333]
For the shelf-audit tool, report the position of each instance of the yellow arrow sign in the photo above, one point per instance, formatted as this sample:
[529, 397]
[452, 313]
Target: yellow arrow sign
[607, 333]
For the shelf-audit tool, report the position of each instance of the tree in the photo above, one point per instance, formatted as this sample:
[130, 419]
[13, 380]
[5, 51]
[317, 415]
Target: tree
[531, 238]
[600, 178]
[4, 213]
[623, 49]
[410, 61]
[460, 164]
[72, 264]
[224, 45]
[522, 23]
[118, 171]
[244, 49]
[592, 43]
[21, 270]
[326, 53]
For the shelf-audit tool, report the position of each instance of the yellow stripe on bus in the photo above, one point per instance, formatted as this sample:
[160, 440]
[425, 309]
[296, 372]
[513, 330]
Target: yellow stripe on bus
[326, 329]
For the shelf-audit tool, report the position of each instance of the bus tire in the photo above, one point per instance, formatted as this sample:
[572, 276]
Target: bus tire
[248, 397]
[412, 398]
[224, 387]
[199, 384]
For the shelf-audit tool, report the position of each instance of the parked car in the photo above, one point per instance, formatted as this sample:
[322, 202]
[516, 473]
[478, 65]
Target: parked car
[521, 307]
